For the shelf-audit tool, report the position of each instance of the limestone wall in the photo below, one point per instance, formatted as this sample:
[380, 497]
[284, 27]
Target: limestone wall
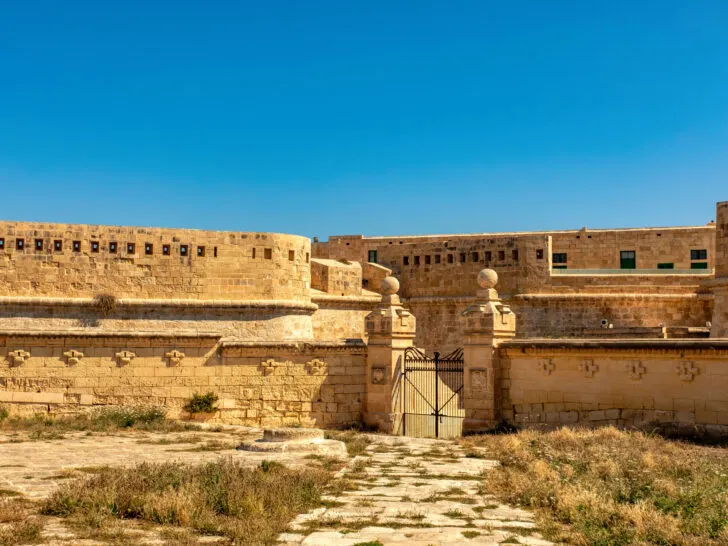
[69, 260]
[319, 384]
[621, 382]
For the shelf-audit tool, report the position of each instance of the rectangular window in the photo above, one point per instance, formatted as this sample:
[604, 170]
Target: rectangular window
[450, 259]
[200, 251]
[475, 256]
[501, 255]
[514, 254]
[405, 260]
[39, 244]
[488, 255]
[427, 260]
[253, 254]
[627, 259]
[165, 250]
[268, 253]
[666, 265]
[417, 260]
[184, 250]
[462, 257]
[539, 254]
[372, 256]
[437, 258]
[214, 252]
[94, 246]
[699, 265]
[2, 243]
[77, 246]
[559, 257]
[291, 255]
[148, 249]
[699, 254]
[57, 245]
[130, 248]
[308, 257]
[112, 248]
[20, 244]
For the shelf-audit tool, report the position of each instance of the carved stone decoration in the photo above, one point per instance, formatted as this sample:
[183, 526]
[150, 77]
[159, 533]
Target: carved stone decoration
[635, 369]
[16, 358]
[73, 357]
[479, 379]
[546, 365]
[379, 376]
[589, 367]
[174, 357]
[687, 370]
[269, 366]
[124, 358]
[316, 367]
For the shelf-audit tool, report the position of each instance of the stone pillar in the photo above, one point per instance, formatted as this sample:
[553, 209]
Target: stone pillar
[719, 328]
[391, 330]
[486, 324]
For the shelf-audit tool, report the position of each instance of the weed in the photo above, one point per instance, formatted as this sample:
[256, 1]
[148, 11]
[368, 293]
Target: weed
[202, 403]
[470, 534]
[454, 514]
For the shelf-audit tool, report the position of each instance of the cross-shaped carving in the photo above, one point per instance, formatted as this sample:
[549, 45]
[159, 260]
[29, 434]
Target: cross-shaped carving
[589, 367]
[269, 366]
[316, 367]
[73, 357]
[687, 370]
[174, 357]
[635, 369]
[16, 358]
[125, 357]
[546, 365]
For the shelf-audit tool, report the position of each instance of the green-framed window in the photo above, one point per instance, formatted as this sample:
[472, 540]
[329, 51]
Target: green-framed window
[627, 259]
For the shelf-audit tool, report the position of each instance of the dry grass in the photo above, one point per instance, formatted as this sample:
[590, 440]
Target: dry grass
[612, 487]
[248, 506]
[17, 524]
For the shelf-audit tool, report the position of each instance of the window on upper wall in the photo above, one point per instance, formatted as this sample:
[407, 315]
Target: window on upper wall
[539, 254]
[2, 243]
[559, 257]
[291, 255]
[308, 257]
[200, 251]
[501, 255]
[488, 255]
[39, 244]
[184, 250]
[20, 244]
[428, 260]
[372, 256]
[112, 247]
[437, 258]
[268, 253]
[57, 245]
[77, 246]
[514, 255]
[94, 246]
[165, 250]
[130, 248]
[462, 257]
[627, 259]
[475, 256]
[148, 249]
[666, 265]
[405, 260]
[417, 260]
[699, 265]
[699, 254]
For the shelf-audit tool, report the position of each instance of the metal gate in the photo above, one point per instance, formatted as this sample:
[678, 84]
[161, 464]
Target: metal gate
[432, 394]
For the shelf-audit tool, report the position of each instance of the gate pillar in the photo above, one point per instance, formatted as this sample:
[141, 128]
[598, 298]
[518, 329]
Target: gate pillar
[486, 324]
[391, 330]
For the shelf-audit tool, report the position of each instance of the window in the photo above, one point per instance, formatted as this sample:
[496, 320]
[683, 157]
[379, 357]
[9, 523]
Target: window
[253, 255]
[462, 257]
[57, 245]
[112, 248]
[488, 255]
[291, 255]
[77, 246]
[405, 260]
[514, 254]
[539, 254]
[450, 259]
[627, 259]
[501, 255]
[200, 251]
[2, 243]
[308, 257]
[372, 257]
[20, 244]
[94, 246]
[427, 260]
[475, 256]
[214, 252]
[437, 258]
[39, 244]
[268, 253]
[148, 249]
[165, 250]
[699, 265]
[184, 250]
[559, 257]
[417, 260]
[666, 265]
[700, 254]
[130, 248]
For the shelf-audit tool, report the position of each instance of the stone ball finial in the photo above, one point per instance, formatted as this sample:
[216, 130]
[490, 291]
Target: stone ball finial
[487, 278]
[390, 286]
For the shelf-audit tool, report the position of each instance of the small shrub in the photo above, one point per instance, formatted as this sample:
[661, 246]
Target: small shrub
[105, 303]
[3, 414]
[202, 403]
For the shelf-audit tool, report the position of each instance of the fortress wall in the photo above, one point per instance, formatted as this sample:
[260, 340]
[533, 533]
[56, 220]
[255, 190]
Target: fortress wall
[229, 266]
[619, 383]
[258, 384]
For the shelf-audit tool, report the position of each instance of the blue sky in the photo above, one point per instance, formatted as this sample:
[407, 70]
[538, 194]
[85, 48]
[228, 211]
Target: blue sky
[323, 118]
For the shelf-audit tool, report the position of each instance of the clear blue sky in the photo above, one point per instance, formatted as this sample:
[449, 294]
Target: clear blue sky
[401, 117]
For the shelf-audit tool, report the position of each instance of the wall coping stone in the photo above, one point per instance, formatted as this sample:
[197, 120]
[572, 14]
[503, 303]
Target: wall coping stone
[713, 345]
[110, 334]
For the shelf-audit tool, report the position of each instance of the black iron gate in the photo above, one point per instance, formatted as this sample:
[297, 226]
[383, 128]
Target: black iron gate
[432, 394]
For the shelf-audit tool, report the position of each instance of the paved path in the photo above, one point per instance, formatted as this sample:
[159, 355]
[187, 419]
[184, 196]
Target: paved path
[414, 492]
